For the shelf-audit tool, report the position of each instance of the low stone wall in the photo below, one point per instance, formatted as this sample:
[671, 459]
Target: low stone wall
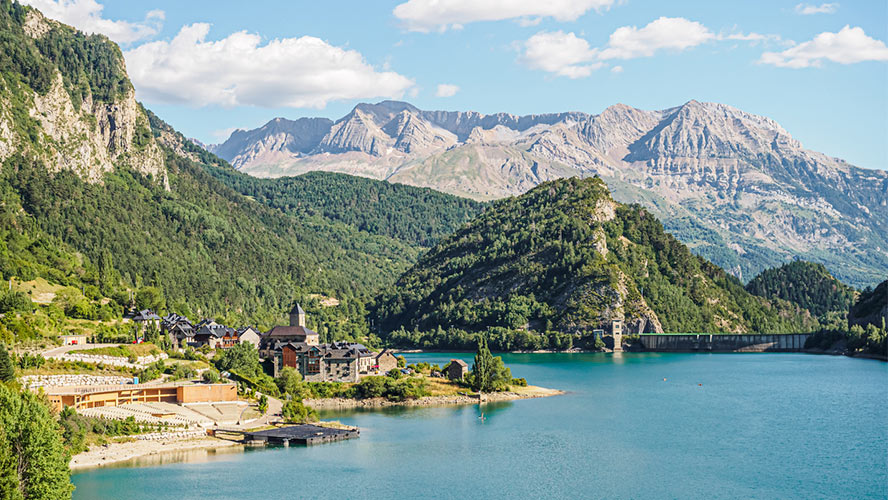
[95, 359]
[793, 342]
[35, 381]
[163, 436]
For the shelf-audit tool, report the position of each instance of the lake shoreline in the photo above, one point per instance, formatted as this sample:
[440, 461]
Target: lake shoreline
[529, 392]
[113, 453]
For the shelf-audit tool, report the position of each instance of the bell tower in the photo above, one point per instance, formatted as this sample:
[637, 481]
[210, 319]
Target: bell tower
[297, 316]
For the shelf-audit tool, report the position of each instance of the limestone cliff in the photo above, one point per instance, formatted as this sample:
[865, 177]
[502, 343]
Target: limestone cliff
[70, 126]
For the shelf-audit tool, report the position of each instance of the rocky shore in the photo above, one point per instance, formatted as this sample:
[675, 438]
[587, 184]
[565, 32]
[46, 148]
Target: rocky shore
[528, 392]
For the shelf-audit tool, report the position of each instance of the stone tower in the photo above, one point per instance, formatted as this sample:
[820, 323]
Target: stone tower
[617, 332]
[297, 316]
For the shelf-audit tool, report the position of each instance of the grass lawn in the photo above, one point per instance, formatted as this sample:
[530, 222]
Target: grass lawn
[195, 364]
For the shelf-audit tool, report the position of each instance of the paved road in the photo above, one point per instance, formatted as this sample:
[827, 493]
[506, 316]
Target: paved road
[58, 351]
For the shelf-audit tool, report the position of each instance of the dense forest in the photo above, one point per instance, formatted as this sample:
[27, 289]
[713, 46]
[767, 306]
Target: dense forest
[565, 257]
[807, 284]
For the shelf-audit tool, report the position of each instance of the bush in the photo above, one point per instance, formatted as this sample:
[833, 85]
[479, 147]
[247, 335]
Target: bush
[520, 382]
[263, 404]
[294, 412]
[289, 381]
[15, 301]
[394, 374]
[210, 376]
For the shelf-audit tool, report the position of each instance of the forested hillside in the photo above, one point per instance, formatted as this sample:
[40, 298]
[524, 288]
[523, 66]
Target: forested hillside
[416, 216]
[566, 257]
[807, 284]
[134, 215]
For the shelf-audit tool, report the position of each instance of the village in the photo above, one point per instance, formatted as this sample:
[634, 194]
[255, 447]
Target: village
[201, 411]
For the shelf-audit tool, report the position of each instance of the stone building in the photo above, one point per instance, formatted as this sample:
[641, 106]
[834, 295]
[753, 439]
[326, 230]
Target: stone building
[457, 369]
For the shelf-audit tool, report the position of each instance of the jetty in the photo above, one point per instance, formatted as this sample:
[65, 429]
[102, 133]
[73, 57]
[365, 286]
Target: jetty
[305, 434]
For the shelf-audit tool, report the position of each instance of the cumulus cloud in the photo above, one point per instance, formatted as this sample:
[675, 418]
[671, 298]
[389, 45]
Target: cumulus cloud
[564, 54]
[824, 8]
[617, 69]
[848, 46]
[86, 15]
[304, 72]
[446, 90]
[665, 33]
[430, 15]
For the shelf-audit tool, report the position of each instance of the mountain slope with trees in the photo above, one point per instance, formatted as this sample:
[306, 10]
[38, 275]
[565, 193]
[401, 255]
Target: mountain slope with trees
[735, 187]
[134, 214]
[413, 215]
[808, 284]
[566, 257]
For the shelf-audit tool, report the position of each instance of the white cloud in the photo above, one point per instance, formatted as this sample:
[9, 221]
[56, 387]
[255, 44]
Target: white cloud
[446, 90]
[237, 70]
[848, 46]
[86, 15]
[665, 33]
[824, 8]
[430, 15]
[617, 69]
[564, 54]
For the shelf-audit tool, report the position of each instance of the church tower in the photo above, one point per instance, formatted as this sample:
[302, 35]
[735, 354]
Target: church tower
[297, 316]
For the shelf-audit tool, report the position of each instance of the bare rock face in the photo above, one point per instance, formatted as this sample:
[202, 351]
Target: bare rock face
[734, 186]
[91, 140]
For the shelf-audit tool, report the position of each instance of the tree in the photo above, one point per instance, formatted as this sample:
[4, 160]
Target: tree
[289, 381]
[294, 412]
[489, 374]
[33, 460]
[210, 376]
[150, 297]
[7, 370]
[242, 358]
[263, 404]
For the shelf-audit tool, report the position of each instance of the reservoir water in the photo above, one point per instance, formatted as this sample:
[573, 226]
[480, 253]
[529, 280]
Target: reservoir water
[640, 425]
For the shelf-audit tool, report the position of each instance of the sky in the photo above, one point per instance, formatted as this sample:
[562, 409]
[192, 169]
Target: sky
[208, 67]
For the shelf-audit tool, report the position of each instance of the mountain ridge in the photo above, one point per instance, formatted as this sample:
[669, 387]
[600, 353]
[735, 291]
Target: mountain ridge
[735, 186]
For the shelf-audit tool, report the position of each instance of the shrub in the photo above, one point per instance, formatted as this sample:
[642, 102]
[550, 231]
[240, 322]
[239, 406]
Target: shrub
[520, 382]
[294, 412]
[210, 376]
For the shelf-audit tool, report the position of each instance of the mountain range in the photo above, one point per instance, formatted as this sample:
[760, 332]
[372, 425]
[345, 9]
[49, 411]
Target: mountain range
[736, 187]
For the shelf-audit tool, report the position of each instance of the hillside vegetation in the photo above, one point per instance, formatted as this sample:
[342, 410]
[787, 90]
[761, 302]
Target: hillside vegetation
[807, 284]
[146, 225]
[566, 257]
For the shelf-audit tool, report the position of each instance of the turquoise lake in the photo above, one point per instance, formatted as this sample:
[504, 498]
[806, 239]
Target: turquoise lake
[720, 426]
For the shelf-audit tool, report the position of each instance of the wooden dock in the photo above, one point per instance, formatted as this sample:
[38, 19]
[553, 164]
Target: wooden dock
[305, 434]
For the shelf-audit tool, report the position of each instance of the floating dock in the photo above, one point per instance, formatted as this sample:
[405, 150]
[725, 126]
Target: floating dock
[305, 434]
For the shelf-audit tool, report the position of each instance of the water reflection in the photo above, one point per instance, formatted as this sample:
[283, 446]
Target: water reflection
[177, 456]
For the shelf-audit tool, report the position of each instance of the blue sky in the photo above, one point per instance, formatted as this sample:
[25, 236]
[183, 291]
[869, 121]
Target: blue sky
[207, 67]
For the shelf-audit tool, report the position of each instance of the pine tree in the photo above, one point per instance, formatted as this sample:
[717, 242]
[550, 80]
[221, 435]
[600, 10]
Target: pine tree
[7, 370]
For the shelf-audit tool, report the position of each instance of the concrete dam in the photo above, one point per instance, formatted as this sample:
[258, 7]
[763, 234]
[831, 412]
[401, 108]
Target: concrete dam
[704, 342]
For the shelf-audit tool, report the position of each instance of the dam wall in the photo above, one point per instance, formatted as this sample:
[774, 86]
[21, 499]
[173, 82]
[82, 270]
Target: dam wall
[790, 342]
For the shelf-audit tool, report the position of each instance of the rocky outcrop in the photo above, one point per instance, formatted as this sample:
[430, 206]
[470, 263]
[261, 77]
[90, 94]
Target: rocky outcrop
[92, 139]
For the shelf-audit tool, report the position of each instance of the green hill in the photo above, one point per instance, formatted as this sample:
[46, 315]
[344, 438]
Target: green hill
[871, 307]
[92, 198]
[807, 284]
[566, 257]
